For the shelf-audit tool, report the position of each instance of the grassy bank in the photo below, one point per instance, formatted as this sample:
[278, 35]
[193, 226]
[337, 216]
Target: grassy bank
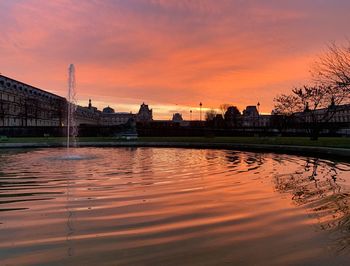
[295, 141]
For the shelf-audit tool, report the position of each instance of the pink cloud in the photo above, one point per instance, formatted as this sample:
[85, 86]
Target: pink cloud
[168, 52]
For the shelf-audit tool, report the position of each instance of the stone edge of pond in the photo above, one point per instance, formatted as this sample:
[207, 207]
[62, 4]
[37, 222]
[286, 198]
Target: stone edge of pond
[289, 149]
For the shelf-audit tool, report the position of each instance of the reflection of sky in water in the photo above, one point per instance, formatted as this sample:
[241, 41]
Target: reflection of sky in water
[171, 206]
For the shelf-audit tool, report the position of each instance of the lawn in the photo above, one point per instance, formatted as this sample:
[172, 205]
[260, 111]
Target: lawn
[299, 141]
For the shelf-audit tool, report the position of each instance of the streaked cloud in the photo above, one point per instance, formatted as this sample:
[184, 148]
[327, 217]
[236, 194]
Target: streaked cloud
[168, 53]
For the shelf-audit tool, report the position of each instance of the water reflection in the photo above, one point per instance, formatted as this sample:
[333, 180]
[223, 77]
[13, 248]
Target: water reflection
[135, 206]
[317, 185]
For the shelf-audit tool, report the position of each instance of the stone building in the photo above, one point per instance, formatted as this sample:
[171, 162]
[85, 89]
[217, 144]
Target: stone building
[339, 114]
[87, 115]
[110, 118]
[108, 110]
[232, 117]
[22, 105]
[252, 118]
[177, 117]
[145, 114]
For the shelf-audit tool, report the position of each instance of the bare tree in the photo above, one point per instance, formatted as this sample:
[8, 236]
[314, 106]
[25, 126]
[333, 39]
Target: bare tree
[313, 106]
[333, 68]
[210, 115]
[223, 108]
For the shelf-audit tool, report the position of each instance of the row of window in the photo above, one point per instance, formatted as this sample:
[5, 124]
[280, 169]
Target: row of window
[10, 122]
[334, 119]
[340, 119]
[115, 119]
[25, 89]
[28, 111]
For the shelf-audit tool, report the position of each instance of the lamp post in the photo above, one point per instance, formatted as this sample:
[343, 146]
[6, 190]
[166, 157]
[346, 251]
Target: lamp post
[258, 114]
[200, 111]
[190, 115]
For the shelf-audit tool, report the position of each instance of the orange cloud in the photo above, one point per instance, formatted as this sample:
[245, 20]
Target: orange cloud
[170, 54]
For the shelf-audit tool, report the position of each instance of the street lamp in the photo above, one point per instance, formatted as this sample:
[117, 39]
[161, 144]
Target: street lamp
[258, 114]
[200, 111]
[190, 115]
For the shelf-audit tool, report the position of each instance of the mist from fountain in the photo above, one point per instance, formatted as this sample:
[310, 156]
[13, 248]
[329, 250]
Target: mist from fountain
[71, 107]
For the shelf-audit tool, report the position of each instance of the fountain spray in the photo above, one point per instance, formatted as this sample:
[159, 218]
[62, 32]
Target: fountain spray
[71, 105]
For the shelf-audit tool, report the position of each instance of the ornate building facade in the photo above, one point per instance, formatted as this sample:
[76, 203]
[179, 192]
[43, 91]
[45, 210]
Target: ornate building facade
[111, 118]
[145, 114]
[177, 117]
[90, 115]
[22, 105]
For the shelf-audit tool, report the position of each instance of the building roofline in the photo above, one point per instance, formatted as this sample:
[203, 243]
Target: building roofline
[336, 108]
[26, 84]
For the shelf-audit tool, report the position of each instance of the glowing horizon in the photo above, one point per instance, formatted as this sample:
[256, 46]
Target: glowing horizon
[169, 54]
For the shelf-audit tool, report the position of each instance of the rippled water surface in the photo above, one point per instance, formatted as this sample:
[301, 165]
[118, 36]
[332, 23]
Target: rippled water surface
[148, 206]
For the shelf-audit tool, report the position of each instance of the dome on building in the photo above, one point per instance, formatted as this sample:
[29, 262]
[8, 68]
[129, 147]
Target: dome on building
[108, 110]
[251, 111]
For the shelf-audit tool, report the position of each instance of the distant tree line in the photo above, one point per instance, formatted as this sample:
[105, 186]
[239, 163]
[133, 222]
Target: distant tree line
[229, 117]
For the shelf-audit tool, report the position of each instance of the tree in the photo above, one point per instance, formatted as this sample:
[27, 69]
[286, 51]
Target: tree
[219, 121]
[333, 68]
[232, 116]
[315, 105]
[223, 108]
[312, 106]
[210, 115]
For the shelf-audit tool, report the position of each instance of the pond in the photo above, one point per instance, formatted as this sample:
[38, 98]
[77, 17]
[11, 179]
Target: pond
[164, 206]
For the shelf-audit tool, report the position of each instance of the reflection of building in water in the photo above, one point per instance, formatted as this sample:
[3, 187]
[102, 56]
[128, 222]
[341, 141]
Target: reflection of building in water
[23, 105]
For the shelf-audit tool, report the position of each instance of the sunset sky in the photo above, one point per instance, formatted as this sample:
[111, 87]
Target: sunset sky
[170, 54]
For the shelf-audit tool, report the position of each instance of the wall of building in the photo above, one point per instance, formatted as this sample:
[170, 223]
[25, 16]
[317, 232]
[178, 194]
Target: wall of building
[22, 105]
[116, 118]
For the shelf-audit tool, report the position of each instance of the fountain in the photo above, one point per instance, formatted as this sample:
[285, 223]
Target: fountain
[72, 129]
[71, 107]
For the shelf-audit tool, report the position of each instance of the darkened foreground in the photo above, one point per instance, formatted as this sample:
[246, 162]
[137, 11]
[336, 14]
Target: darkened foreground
[146, 206]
